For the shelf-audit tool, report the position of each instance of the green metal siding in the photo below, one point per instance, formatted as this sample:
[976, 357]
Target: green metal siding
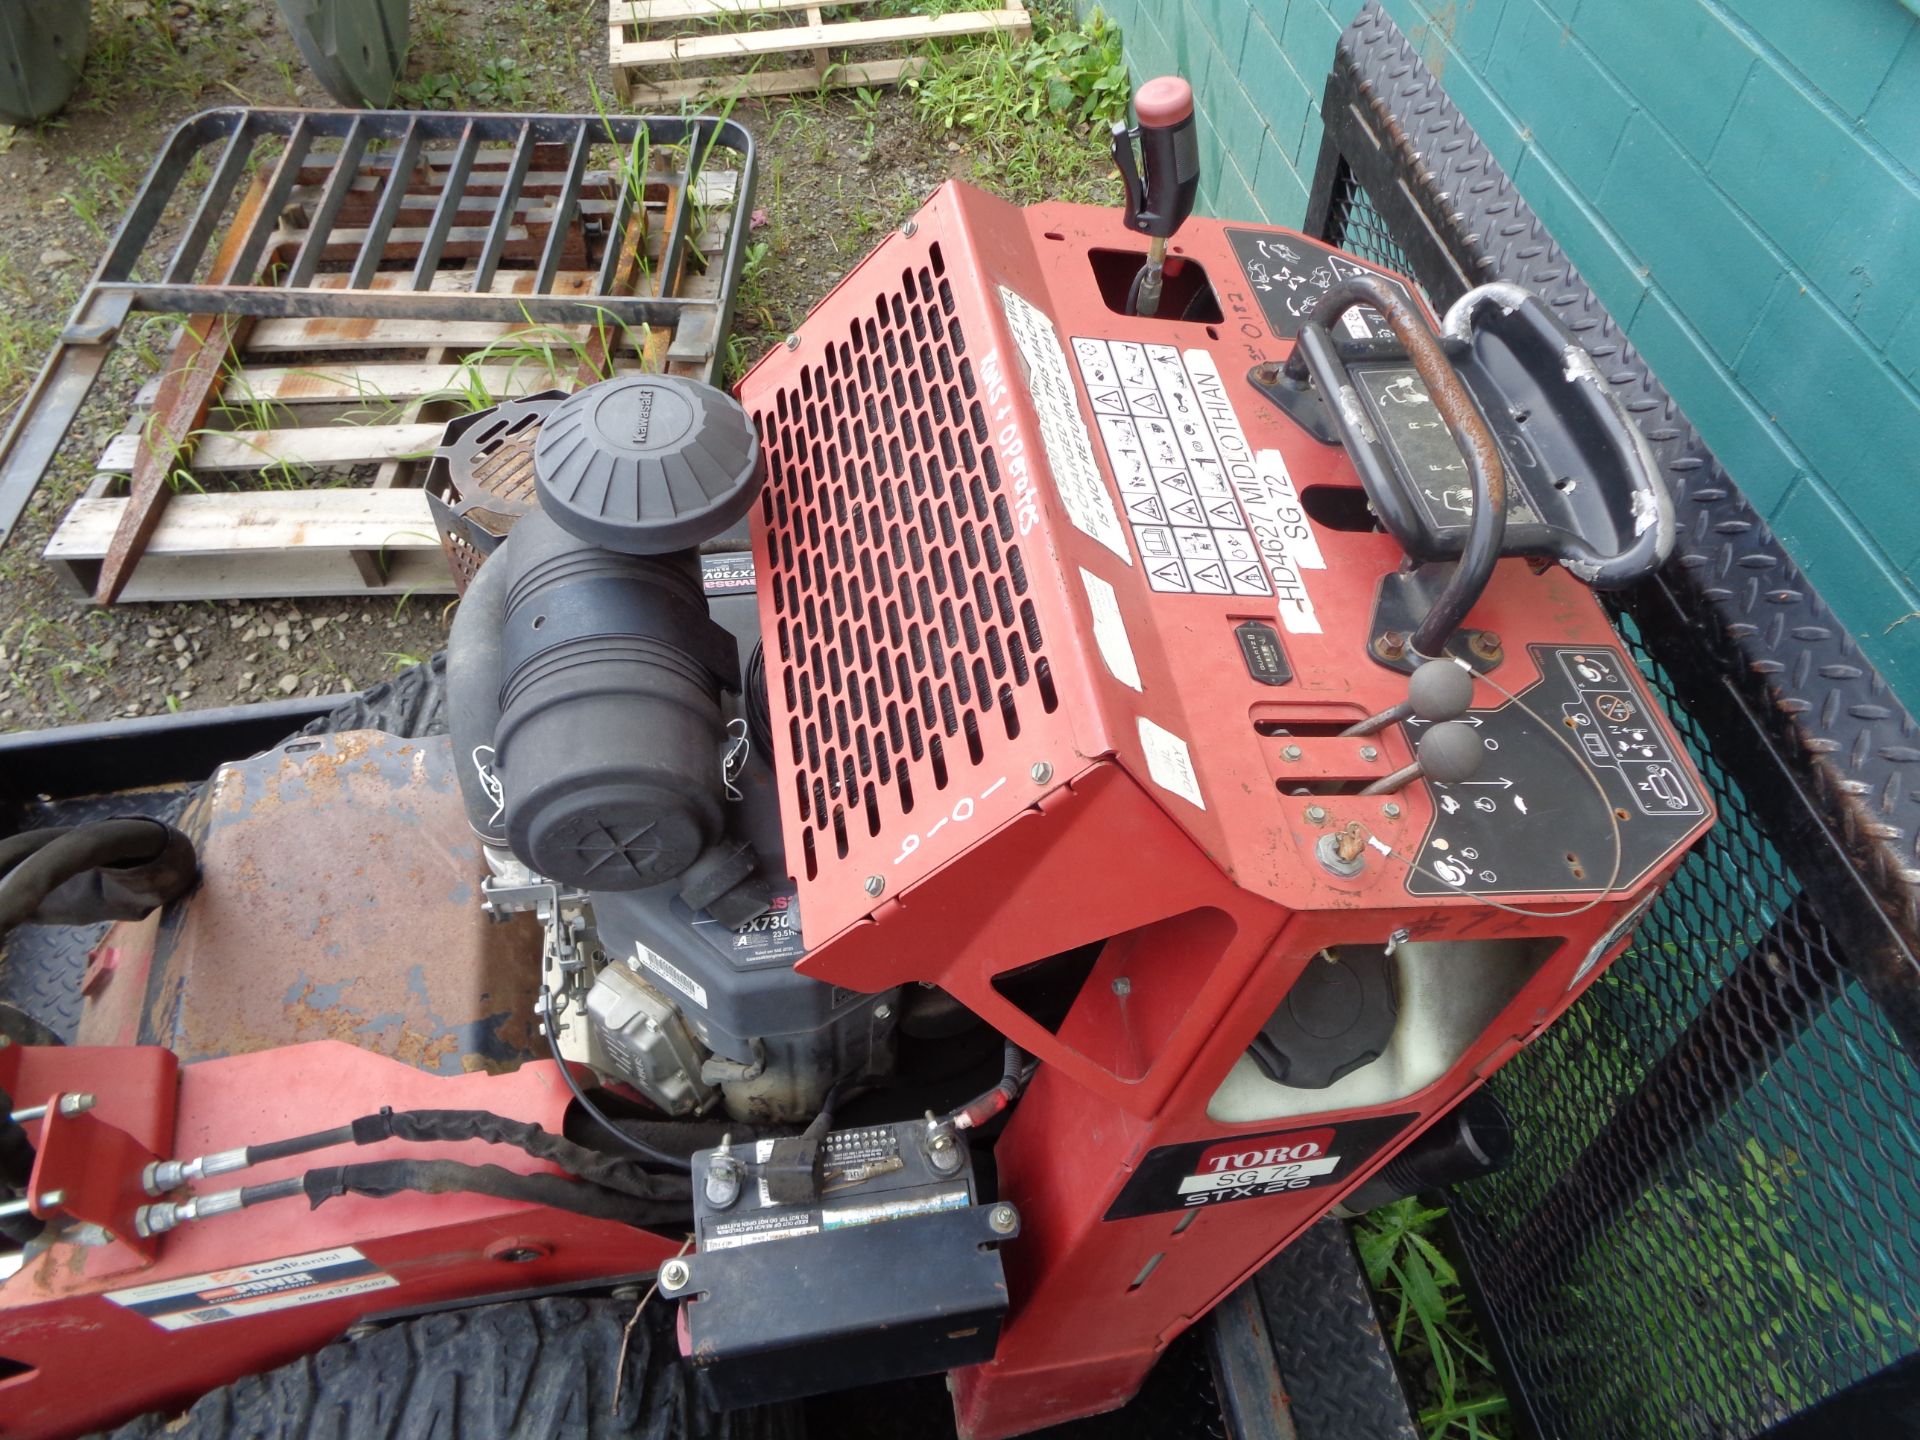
[1739, 181]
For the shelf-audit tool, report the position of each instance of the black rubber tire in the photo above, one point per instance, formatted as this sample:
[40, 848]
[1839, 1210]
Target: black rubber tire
[537, 1368]
[411, 705]
[356, 49]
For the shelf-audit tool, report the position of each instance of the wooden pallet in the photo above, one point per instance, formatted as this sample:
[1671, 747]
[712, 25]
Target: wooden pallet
[706, 60]
[305, 480]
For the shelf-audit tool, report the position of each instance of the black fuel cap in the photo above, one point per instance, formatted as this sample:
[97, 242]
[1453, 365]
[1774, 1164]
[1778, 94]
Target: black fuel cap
[647, 464]
[1338, 1016]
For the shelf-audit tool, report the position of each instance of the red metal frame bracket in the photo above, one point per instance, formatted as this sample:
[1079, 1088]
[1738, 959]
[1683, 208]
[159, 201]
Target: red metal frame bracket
[90, 1170]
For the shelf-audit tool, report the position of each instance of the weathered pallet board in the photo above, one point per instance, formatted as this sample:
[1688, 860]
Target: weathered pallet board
[274, 543]
[343, 539]
[838, 50]
[372, 384]
[316, 447]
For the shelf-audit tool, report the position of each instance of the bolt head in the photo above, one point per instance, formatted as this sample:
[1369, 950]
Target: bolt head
[910, 228]
[1122, 985]
[519, 1254]
[1390, 810]
[674, 1275]
[1316, 815]
[1003, 1219]
[876, 885]
[793, 342]
[1041, 772]
[883, 1012]
[1292, 752]
[1368, 752]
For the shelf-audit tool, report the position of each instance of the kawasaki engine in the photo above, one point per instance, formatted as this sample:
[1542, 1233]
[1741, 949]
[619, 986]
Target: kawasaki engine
[609, 711]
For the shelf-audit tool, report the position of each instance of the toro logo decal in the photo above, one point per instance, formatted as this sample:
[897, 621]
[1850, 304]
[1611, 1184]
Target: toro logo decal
[1247, 1167]
[1265, 1165]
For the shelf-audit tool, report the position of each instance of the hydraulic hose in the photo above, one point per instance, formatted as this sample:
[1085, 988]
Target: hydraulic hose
[423, 1127]
[383, 1178]
[109, 870]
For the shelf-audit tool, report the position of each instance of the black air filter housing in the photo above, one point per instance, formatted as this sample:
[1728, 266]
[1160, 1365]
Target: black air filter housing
[609, 737]
[647, 464]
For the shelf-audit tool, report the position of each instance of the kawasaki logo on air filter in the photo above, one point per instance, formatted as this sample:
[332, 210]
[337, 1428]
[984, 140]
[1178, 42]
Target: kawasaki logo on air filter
[1247, 1167]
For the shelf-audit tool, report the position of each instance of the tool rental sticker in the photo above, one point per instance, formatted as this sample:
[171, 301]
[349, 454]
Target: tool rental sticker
[247, 1290]
[1251, 1167]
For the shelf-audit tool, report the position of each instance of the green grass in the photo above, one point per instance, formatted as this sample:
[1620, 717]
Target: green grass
[1453, 1389]
[1037, 107]
[493, 84]
[59, 650]
[24, 337]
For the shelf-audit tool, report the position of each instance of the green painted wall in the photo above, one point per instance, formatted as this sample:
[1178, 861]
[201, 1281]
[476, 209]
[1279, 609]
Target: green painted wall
[1737, 180]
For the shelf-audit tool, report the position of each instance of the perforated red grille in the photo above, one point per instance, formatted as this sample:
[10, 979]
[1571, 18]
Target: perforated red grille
[905, 643]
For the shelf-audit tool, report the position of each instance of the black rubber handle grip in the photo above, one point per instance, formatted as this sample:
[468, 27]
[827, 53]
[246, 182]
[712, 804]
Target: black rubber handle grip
[1160, 188]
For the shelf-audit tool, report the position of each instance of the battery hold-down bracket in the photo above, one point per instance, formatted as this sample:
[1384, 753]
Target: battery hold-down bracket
[891, 1270]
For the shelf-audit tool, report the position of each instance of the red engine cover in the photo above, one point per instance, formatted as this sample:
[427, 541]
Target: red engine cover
[1057, 657]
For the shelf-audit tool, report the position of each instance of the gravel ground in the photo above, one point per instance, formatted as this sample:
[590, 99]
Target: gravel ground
[835, 173]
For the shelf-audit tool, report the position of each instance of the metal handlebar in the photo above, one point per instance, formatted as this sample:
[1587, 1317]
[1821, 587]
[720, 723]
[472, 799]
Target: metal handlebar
[1314, 357]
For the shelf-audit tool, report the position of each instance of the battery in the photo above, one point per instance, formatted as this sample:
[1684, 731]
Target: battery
[890, 1270]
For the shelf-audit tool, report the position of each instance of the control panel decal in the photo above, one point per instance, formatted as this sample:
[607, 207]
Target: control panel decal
[1404, 417]
[1063, 434]
[1526, 823]
[1610, 716]
[1189, 483]
[1290, 273]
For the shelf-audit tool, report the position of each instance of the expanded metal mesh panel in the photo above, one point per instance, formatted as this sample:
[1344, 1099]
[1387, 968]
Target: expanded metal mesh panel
[908, 647]
[1355, 225]
[1711, 1224]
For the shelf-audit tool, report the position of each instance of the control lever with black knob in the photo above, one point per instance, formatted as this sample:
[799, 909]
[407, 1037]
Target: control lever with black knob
[1438, 690]
[1161, 186]
[1448, 753]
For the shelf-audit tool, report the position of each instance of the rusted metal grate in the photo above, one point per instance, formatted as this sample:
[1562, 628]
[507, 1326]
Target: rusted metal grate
[394, 215]
[907, 644]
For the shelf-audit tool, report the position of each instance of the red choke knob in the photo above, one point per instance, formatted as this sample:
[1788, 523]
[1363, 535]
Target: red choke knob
[1164, 101]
